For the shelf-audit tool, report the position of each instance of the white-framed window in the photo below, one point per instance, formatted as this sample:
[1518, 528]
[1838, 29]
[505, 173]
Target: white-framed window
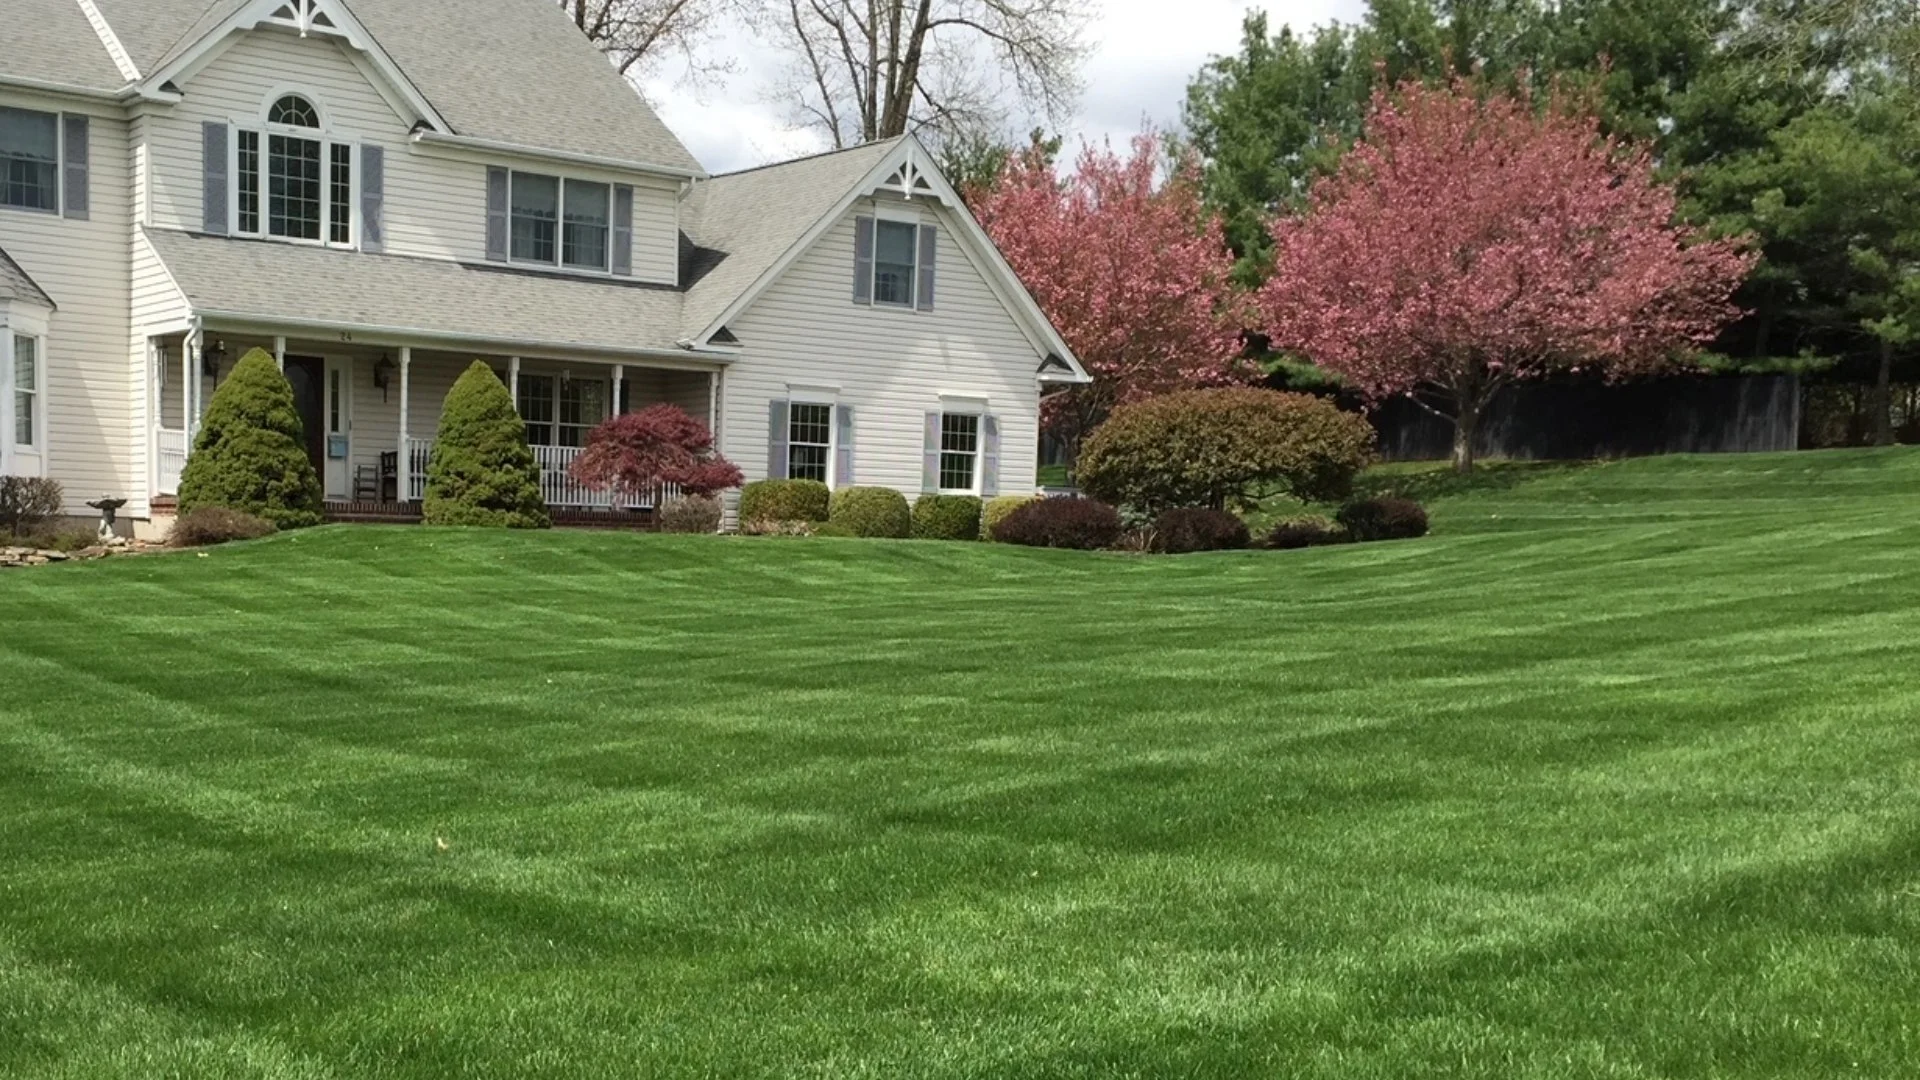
[561, 410]
[29, 160]
[536, 408]
[292, 182]
[960, 452]
[555, 221]
[810, 441]
[583, 405]
[896, 261]
[28, 382]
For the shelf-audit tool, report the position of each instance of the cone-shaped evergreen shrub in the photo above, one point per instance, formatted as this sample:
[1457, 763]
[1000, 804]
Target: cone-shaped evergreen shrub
[481, 471]
[251, 453]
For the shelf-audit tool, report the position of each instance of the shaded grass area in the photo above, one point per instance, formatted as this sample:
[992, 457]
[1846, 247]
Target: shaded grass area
[1611, 777]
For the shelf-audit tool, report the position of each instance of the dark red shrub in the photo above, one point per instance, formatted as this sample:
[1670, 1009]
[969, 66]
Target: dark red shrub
[1384, 519]
[1189, 529]
[1082, 524]
[1311, 530]
[635, 454]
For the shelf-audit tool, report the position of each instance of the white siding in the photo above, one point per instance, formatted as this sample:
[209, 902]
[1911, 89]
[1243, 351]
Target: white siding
[94, 398]
[892, 366]
[436, 200]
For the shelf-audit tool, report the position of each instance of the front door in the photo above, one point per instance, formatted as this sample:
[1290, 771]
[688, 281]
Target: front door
[307, 375]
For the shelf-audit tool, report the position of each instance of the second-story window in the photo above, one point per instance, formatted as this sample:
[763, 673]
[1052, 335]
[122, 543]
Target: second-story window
[306, 192]
[559, 222]
[29, 159]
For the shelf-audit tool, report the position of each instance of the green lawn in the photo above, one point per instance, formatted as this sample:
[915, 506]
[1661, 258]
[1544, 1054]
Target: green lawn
[1617, 775]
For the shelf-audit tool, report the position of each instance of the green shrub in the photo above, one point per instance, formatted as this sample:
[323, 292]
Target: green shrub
[1189, 529]
[691, 514]
[783, 500]
[1305, 531]
[1367, 520]
[251, 453]
[1223, 448]
[946, 517]
[1082, 524]
[482, 472]
[872, 512]
[785, 528]
[998, 509]
[28, 501]
[66, 538]
[204, 526]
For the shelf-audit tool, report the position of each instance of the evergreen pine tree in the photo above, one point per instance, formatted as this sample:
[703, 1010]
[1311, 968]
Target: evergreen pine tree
[251, 451]
[482, 471]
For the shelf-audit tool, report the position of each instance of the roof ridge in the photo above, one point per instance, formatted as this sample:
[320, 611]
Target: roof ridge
[806, 158]
[110, 41]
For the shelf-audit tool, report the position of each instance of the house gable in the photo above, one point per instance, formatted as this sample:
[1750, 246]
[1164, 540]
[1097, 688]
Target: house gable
[906, 176]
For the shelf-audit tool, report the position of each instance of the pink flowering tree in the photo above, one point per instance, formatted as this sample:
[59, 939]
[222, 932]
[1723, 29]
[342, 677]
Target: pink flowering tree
[1472, 239]
[1131, 268]
[635, 454]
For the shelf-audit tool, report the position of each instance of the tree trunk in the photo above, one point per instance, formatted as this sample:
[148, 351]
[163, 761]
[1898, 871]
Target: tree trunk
[1466, 424]
[1883, 397]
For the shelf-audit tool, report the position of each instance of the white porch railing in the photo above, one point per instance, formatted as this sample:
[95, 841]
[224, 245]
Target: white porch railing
[557, 485]
[170, 459]
[418, 451]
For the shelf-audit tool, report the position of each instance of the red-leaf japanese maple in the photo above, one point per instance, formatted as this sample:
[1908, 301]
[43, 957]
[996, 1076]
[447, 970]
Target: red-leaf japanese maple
[635, 454]
[1134, 272]
[1474, 238]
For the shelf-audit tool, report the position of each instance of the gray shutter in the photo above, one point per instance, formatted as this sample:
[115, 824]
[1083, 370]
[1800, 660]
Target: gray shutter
[930, 462]
[373, 198]
[214, 183]
[497, 214]
[989, 456]
[78, 150]
[843, 446]
[777, 439]
[929, 244]
[623, 229]
[863, 260]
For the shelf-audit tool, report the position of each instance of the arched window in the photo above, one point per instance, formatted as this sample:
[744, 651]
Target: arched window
[294, 111]
[308, 188]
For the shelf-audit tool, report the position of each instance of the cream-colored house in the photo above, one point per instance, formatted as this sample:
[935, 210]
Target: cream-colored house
[381, 191]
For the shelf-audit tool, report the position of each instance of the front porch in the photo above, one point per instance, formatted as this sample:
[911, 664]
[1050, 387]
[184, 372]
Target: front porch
[371, 411]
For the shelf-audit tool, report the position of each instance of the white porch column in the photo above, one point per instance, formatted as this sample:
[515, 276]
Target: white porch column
[513, 380]
[713, 405]
[403, 482]
[192, 391]
[280, 352]
[619, 380]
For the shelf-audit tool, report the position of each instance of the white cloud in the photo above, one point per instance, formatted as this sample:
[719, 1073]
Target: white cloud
[1143, 52]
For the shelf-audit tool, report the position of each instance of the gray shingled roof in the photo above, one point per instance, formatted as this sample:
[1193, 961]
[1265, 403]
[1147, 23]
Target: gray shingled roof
[51, 41]
[150, 29]
[521, 72]
[15, 284]
[757, 215]
[273, 282]
[515, 71]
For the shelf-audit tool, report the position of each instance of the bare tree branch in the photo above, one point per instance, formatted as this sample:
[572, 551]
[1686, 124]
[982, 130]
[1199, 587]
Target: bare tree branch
[638, 35]
[863, 70]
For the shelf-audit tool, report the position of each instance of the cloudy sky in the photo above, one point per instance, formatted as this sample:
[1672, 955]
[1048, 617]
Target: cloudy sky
[1143, 53]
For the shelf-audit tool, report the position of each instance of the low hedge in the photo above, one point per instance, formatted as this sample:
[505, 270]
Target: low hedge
[997, 509]
[204, 526]
[1081, 524]
[783, 500]
[946, 517]
[873, 512]
[691, 514]
[1198, 528]
[1384, 519]
[1308, 530]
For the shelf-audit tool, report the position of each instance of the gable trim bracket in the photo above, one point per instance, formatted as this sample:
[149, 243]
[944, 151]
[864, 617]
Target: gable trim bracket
[162, 84]
[909, 170]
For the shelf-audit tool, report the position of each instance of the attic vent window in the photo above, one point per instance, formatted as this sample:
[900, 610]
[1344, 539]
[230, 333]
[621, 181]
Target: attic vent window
[294, 111]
